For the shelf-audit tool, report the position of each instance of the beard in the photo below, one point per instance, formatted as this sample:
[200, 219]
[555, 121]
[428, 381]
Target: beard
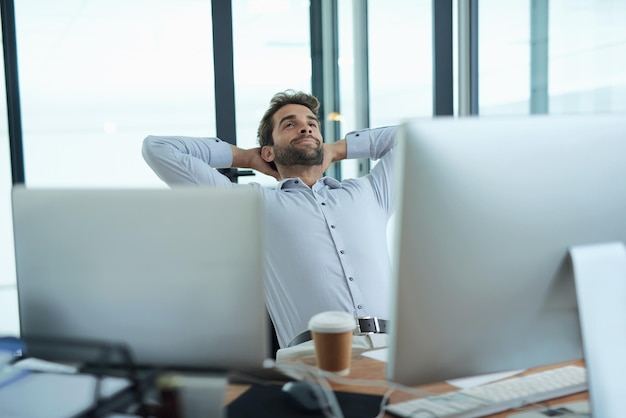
[290, 156]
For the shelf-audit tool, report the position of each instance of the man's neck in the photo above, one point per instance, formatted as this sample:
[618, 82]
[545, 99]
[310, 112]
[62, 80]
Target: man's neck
[308, 174]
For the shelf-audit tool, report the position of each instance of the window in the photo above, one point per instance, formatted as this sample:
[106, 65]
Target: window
[587, 56]
[272, 53]
[504, 57]
[399, 75]
[400, 60]
[583, 64]
[97, 76]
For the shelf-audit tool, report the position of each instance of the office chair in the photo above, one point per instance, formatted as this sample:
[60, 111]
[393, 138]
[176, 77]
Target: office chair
[273, 338]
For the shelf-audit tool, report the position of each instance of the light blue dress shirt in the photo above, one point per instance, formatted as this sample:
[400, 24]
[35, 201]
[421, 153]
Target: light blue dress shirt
[326, 245]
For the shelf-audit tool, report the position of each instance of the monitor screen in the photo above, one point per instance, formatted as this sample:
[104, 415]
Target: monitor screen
[175, 275]
[488, 209]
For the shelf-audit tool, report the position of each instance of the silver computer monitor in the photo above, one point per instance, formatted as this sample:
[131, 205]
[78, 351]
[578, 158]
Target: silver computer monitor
[175, 275]
[488, 209]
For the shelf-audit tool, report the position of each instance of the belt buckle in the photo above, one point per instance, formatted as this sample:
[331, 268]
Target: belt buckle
[357, 330]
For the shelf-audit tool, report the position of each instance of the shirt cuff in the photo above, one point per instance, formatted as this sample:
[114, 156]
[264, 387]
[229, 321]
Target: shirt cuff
[221, 154]
[358, 144]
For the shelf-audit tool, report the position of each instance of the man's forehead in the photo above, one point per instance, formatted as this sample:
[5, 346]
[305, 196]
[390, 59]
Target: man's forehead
[293, 110]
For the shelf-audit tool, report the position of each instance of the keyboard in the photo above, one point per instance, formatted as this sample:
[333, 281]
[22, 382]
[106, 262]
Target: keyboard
[497, 396]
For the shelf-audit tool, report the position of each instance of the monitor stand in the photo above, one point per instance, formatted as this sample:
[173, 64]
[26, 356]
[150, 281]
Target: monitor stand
[600, 277]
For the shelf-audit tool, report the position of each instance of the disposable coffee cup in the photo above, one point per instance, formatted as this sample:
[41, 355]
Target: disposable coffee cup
[332, 338]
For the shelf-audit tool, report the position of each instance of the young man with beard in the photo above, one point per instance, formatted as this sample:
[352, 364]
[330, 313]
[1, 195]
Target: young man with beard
[326, 240]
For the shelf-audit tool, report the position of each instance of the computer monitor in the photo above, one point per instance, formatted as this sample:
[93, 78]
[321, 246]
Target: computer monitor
[174, 274]
[488, 210]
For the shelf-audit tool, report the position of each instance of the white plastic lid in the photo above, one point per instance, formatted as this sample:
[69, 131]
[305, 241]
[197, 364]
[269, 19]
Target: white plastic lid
[332, 322]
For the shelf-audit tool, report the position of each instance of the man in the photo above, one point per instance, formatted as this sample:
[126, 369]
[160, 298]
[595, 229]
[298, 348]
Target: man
[327, 240]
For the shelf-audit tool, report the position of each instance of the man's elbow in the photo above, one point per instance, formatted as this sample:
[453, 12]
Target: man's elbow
[150, 148]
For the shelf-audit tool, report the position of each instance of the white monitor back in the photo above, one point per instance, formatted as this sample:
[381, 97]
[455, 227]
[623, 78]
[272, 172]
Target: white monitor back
[488, 209]
[177, 275]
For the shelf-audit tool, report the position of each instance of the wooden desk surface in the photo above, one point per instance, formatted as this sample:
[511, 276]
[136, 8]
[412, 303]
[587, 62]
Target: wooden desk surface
[365, 368]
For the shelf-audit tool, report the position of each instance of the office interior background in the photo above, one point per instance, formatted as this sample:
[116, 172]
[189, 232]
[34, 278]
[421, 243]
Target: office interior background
[95, 77]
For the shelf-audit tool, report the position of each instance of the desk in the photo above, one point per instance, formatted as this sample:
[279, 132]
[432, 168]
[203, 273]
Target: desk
[366, 368]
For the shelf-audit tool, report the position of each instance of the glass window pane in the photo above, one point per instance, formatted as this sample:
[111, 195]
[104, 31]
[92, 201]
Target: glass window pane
[272, 53]
[97, 76]
[586, 50]
[504, 56]
[587, 56]
[400, 60]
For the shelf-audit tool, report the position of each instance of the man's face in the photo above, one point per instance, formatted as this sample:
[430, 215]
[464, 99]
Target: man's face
[297, 136]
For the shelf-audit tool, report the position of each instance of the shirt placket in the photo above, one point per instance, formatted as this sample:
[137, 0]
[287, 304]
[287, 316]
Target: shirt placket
[343, 253]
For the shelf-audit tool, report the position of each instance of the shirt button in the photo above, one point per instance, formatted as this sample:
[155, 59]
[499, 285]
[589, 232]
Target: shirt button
[360, 306]
[342, 252]
[296, 181]
[332, 226]
[323, 204]
[351, 278]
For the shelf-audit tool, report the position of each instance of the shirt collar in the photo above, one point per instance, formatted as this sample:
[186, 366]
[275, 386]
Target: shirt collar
[331, 182]
[293, 183]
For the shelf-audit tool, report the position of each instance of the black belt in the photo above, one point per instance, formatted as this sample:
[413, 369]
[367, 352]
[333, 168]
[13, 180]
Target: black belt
[367, 325]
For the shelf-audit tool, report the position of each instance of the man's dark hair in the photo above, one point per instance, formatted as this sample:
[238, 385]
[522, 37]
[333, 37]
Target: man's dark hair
[264, 133]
